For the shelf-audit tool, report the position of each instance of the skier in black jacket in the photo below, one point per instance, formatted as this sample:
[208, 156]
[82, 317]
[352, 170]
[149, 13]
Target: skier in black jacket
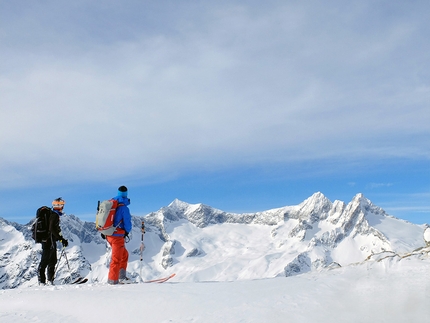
[49, 248]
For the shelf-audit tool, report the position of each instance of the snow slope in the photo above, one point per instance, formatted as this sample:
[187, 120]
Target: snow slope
[390, 290]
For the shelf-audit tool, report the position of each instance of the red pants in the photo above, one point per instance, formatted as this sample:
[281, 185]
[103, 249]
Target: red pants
[119, 257]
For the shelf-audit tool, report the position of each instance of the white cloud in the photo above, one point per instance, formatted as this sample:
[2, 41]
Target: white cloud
[235, 85]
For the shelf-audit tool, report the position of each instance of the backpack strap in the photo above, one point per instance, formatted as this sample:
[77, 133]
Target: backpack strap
[115, 233]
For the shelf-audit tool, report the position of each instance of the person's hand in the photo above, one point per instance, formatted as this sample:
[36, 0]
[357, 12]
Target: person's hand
[64, 242]
[103, 236]
[126, 234]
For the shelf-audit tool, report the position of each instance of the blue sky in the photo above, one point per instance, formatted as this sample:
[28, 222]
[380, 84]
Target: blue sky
[241, 105]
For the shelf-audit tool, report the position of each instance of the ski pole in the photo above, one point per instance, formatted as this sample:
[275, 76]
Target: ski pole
[58, 262]
[142, 246]
[78, 280]
[67, 261]
[68, 266]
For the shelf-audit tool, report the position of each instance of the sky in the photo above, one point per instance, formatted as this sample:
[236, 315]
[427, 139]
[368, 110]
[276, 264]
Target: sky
[241, 105]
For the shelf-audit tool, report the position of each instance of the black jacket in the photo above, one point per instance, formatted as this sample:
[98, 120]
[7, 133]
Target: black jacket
[54, 231]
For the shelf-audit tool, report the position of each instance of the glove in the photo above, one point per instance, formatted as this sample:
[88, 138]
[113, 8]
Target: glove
[103, 236]
[64, 242]
[126, 234]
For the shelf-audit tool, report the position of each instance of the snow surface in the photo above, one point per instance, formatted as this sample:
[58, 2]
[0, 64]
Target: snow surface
[391, 290]
[427, 235]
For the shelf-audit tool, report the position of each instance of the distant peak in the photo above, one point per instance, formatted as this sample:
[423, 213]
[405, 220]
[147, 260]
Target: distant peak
[315, 198]
[318, 196]
[178, 203]
[360, 198]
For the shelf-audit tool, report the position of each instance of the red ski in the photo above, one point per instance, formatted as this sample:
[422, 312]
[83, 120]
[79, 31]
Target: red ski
[160, 280]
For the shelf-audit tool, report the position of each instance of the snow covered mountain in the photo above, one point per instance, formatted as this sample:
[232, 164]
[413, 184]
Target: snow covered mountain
[201, 243]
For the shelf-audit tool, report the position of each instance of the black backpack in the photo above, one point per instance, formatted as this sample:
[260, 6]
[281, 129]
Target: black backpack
[40, 227]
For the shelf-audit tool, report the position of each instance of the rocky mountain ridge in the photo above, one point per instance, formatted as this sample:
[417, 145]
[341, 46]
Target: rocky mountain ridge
[204, 243]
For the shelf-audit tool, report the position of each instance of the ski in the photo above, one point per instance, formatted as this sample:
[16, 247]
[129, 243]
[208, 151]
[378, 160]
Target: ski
[160, 280]
[79, 280]
[127, 281]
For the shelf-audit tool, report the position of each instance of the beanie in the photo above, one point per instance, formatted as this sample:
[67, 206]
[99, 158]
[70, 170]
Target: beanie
[122, 191]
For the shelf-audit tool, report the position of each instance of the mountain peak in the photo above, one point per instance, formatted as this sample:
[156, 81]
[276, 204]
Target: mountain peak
[318, 195]
[317, 198]
[360, 198]
[364, 203]
[178, 204]
[316, 206]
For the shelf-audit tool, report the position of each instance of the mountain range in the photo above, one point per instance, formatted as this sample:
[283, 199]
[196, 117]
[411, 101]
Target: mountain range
[201, 243]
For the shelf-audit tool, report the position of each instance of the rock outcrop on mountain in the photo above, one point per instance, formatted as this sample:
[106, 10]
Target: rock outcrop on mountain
[203, 243]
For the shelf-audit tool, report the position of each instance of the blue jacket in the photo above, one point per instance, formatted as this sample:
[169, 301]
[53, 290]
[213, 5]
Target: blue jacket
[122, 216]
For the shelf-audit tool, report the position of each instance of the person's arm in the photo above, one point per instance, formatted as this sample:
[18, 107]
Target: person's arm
[127, 220]
[55, 229]
[54, 226]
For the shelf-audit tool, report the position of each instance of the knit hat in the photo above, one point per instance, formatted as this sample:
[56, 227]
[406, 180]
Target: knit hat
[122, 191]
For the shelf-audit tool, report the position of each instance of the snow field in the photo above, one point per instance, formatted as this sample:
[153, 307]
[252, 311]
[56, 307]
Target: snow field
[388, 291]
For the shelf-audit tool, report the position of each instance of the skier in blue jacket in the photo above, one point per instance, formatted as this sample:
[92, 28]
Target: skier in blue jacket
[122, 219]
[122, 216]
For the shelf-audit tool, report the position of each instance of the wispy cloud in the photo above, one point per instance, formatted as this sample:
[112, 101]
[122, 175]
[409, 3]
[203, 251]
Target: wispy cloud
[378, 185]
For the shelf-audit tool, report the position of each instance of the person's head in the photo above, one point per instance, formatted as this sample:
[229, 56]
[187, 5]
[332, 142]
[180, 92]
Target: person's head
[122, 191]
[58, 204]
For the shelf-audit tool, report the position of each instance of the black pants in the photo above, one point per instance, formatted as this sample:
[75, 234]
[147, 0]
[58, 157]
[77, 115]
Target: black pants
[48, 262]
